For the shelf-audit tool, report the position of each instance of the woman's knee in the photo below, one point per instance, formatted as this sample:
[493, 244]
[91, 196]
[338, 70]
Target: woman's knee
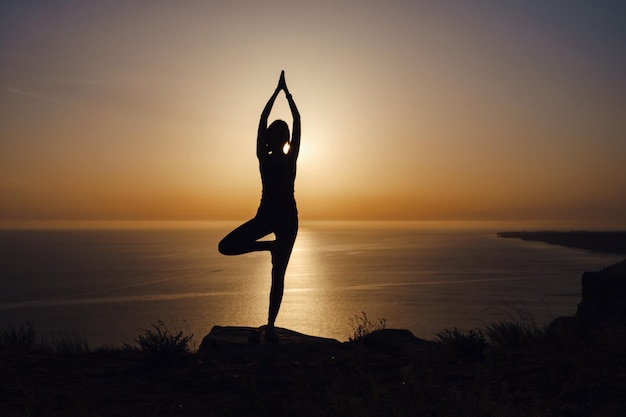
[226, 247]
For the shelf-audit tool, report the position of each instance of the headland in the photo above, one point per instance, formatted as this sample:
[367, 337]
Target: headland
[609, 242]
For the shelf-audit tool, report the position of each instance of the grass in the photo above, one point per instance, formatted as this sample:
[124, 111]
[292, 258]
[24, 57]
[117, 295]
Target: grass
[24, 339]
[362, 326]
[18, 339]
[520, 328]
[469, 345]
[158, 343]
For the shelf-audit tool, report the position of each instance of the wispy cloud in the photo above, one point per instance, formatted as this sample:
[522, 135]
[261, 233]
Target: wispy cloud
[54, 88]
[30, 94]
[73, 81]
[23, 93]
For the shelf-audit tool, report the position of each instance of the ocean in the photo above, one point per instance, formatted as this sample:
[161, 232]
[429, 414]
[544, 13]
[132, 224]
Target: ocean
[106, 285]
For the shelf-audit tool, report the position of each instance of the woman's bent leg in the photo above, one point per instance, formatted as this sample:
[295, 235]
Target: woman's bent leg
[245, 238]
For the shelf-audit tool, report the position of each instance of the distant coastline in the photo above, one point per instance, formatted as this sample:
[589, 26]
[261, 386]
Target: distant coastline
[609, 242]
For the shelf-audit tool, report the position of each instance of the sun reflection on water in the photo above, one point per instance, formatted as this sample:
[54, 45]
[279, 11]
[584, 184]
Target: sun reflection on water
[309, 303]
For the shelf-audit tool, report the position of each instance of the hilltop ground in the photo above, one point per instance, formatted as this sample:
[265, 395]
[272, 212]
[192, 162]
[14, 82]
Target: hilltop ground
[388, 373]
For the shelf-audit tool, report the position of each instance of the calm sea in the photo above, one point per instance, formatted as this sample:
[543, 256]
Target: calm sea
[107, 285]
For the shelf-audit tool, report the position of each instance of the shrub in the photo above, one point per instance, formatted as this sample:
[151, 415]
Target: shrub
[160, 345]
[361, 326]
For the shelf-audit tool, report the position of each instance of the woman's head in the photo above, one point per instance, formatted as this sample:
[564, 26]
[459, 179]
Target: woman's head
[277, 136]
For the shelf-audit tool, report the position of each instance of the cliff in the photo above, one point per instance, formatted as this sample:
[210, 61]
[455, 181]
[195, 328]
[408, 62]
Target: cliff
[603, 299]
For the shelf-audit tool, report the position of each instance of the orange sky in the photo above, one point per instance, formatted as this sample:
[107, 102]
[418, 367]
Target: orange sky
[410, 110]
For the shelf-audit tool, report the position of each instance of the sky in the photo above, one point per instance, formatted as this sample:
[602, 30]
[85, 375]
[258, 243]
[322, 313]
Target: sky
[411, 110]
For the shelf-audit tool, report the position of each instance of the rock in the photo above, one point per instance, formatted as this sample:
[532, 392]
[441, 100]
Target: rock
[249, 342]
[604, 296]
[395, 341]
[229, 337]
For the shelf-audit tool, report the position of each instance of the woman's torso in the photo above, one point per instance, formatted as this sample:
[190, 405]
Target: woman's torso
[278, 174]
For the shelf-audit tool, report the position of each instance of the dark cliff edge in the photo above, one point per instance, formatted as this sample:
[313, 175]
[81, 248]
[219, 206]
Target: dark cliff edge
[604, 296]
[600, 318]
[603, 292]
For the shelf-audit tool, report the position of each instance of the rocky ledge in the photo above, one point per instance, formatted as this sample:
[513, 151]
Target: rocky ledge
[250, 340]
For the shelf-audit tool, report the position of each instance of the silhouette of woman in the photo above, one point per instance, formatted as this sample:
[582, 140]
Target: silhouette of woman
[277, 212]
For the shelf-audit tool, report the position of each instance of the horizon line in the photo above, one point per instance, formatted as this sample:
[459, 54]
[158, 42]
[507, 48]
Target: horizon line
[524, 224]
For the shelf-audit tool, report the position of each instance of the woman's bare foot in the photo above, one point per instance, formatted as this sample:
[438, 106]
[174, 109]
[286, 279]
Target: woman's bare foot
[269, 335]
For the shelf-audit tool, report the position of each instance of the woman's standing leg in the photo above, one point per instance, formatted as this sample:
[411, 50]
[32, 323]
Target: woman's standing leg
[281, 252]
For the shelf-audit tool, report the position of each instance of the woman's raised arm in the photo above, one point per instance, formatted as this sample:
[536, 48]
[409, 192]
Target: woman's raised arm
[260, 138]
[294, 144]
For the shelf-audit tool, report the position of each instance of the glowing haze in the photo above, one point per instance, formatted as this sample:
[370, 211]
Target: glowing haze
[145, 110]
